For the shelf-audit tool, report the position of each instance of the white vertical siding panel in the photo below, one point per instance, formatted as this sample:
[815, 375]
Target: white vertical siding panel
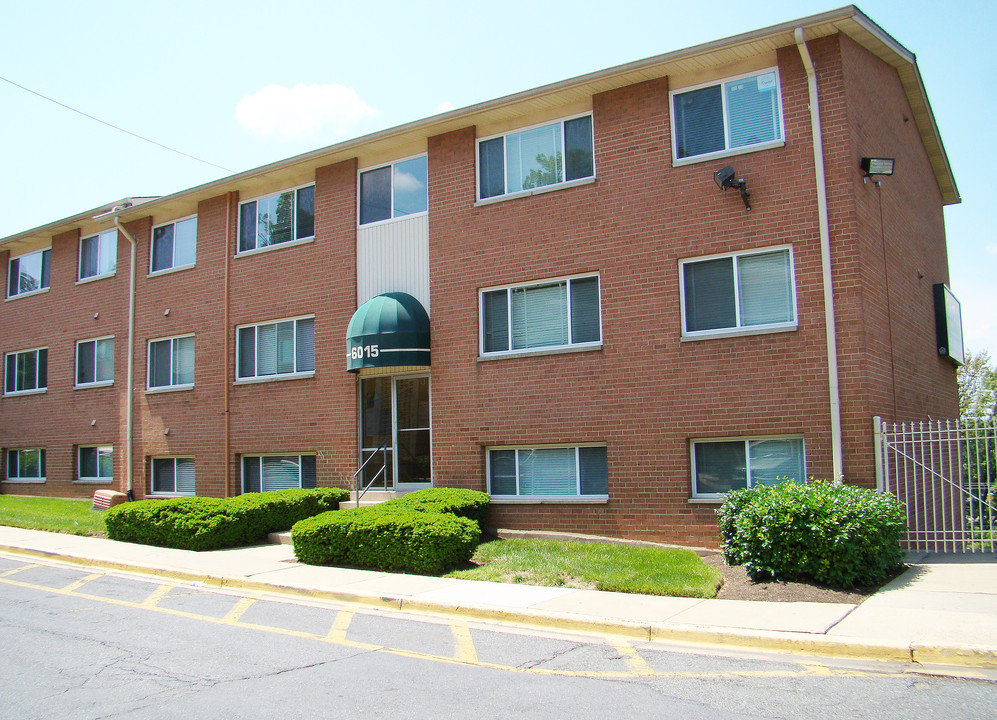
[394, 257]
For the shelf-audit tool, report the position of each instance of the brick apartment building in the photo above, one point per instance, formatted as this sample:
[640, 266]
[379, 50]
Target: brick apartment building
[546, 296]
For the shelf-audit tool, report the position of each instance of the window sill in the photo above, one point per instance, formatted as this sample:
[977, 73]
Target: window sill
[278, 246]
[169, 495]
[87, 386]
[539, 351]
[535, 191]
[168, 389]
[388, 221]
[20, 393]
[551, 500]
[84, 281]
[170, 271]
[93, 481]
[274, 378]
[25, 481]
[40, 291]
[705, 500]
[710, 335]
[710, 157]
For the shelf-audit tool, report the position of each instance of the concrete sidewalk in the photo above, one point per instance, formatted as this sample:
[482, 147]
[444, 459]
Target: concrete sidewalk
[942, 611]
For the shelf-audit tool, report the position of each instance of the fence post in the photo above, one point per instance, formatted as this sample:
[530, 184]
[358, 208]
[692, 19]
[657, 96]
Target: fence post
[877, 440]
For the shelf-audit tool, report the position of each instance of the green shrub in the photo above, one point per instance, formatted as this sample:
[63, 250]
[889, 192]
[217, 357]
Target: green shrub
[386, 537]
[471, 504]
[204, 523]
[838, 535]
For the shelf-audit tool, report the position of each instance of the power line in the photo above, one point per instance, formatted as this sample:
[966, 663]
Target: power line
[111, 125]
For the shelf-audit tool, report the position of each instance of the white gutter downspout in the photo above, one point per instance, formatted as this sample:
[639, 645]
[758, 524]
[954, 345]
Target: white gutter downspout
[837, 458]
[131, 356]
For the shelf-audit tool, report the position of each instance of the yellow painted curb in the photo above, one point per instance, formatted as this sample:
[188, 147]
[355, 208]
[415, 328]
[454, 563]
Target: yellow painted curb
[952, 656]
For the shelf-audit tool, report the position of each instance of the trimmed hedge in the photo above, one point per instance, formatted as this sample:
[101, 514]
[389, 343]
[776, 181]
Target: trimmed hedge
[205, 523]
[838, 535]
[427, 531]
[471, 504]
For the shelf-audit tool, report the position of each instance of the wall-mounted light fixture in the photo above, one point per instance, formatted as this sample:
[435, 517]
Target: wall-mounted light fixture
[876, 166]
[724, 178]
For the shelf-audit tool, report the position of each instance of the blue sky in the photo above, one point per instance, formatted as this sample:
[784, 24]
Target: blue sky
[204, 77]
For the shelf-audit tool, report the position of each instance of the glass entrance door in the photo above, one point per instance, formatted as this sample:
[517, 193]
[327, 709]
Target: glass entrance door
[394, 427]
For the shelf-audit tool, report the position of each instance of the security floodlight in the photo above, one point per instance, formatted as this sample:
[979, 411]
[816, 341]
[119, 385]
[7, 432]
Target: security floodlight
[877, 166]
[724, 178]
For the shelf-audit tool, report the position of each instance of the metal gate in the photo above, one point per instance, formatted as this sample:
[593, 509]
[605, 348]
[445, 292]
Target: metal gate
[945, 474]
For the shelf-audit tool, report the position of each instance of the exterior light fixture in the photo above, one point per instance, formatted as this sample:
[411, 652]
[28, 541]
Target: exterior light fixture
[877, 166]
[724, 178]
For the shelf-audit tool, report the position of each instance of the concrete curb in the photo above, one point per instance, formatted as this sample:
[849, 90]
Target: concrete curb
[777, 641]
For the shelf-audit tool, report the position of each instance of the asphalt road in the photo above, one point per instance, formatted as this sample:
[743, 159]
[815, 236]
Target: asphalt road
[79, 643]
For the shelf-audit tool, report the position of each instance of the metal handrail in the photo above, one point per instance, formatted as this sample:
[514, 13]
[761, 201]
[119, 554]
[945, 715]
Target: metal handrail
[382, 448]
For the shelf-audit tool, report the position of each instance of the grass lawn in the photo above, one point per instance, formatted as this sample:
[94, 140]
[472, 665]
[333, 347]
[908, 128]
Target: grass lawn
[53, 514]
[595, 566]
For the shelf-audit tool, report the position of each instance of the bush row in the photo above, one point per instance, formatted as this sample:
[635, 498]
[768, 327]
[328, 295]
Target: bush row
[838, 535]
[428, 531]
[204, 523]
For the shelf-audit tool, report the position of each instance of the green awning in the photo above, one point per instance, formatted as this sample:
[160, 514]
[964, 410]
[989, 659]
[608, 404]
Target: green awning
[390, 330]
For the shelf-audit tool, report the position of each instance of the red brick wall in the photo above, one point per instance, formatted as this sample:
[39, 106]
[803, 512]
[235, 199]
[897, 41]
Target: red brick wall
[63, 418]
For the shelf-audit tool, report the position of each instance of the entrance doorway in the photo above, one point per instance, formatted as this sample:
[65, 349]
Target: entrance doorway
[394, 426]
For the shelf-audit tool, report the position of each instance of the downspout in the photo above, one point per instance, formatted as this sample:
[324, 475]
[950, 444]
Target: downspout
[226, 383]
[129, 393]
[837, 458]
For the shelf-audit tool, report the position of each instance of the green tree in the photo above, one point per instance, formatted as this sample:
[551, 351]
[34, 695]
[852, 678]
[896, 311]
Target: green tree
[977, 387]
[549, 172]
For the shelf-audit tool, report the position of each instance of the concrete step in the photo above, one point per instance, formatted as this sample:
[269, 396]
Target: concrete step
[374, 496]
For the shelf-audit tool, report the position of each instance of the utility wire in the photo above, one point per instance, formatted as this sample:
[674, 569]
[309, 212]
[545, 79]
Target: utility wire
[111, 125]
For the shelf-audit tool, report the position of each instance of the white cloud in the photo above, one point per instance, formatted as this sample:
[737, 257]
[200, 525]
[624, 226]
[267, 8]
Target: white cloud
[444, 106]
[407, 182]
[302, 112]
[992, 248]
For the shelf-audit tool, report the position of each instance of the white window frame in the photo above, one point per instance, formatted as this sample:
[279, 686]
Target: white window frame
[150, 388]
[727, 151]
[257, 378]
[392, 217]
[738, 328]
[79, 464]
[259, 457]
[546, 349]
[747, 440]
[294, 241]
[79, 260]
[517, 498]
[31, 391]
[505, 162]
[152, 476]
[18, 258]
[152, 247]
[76, 365]
[43, 462]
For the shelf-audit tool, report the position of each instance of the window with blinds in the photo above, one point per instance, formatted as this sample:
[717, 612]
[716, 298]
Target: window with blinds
[749, 291]
[275, 349]
[729, 115]
[719, 466]
[277, 219]
[173, 476]
[171, 362]
[262, 473]
[541, 316]
[548, 472]
[536, 157]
